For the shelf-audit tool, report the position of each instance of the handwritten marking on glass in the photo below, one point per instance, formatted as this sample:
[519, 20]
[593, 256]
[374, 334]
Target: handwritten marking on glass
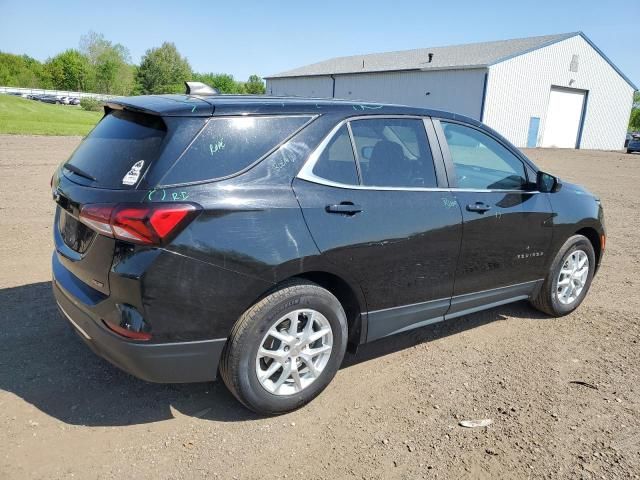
[217, 146]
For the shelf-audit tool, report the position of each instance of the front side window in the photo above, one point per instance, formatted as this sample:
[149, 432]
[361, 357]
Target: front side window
[481, 162]
[228, 145]
[393, 152]
[337, 162]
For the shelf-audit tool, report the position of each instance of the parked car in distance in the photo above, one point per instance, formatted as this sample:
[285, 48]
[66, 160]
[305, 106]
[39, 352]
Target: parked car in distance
[74, 101]
[261, 236]
[48, 99]
[633, 143]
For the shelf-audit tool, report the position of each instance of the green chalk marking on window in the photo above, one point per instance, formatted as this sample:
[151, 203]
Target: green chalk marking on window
[217, 147]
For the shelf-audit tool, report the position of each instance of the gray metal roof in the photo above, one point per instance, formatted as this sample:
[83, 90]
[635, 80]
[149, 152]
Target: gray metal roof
[472, 55]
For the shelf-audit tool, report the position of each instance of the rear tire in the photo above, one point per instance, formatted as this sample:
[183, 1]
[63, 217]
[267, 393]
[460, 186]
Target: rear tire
[264, 341]
[569, 278]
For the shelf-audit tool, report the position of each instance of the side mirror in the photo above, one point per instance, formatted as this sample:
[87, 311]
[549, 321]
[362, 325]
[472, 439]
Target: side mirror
[365, 152]
[547, 183]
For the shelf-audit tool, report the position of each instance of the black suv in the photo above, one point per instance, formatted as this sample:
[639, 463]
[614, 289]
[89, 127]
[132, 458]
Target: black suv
[263, 236]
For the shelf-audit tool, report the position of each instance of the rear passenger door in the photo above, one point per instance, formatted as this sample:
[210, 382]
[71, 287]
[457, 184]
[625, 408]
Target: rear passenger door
[375, 198]
[506, 221]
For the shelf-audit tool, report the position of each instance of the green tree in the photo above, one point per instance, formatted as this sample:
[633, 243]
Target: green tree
[223, 82]
[634, 120]
[69, 70]
[255, 85]
[112, 73]
[21, 71]
[163, 70]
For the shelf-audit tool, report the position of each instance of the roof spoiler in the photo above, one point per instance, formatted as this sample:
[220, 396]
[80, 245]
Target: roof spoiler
[199, 88]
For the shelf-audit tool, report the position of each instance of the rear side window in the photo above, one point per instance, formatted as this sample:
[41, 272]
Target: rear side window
[228, 145]
[119, 149]
[337, 161]
[394, 152]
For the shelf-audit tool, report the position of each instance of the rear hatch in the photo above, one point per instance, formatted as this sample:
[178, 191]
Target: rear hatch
[109, 167]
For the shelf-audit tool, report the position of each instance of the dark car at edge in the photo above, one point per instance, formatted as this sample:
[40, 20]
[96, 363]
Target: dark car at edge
[260, 237]
[632, 143]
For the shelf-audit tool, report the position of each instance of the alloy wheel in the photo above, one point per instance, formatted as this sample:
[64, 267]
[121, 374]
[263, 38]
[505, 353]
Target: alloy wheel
[294, 352]
[572, 277]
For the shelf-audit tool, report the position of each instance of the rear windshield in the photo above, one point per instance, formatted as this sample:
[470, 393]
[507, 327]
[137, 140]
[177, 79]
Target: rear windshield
[228, 145]
[119, 149]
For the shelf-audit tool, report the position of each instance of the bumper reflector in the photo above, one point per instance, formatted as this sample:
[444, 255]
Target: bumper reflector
[131, 324]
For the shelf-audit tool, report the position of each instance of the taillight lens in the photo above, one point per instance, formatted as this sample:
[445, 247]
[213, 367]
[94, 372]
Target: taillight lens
[152, 224]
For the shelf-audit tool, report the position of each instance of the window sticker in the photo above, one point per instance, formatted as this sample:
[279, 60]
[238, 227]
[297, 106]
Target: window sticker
[132, 175]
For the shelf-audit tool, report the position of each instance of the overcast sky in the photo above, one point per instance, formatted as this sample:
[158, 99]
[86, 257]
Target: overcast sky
[243, 37]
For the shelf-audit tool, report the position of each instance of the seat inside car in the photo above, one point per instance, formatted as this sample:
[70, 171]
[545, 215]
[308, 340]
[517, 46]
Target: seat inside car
[387, 165]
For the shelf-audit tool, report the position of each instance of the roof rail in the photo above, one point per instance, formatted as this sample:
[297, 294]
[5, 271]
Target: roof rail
[199, 88]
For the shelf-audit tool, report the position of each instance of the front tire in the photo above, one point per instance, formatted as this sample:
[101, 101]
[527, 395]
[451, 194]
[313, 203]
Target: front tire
[569, 278]
[285, 349]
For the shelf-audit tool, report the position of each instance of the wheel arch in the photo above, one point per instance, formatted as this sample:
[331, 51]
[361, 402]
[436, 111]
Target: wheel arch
[594, 238]
[350, 297]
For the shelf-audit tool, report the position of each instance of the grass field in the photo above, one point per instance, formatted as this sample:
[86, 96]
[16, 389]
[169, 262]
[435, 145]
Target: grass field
[29, 117]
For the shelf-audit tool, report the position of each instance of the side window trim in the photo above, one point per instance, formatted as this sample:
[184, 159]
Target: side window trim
[356, 154]
[306, 172]
[436, 153]
[448, 160]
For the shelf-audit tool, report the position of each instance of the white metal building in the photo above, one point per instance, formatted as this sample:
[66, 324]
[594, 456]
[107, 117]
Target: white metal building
[548, 91]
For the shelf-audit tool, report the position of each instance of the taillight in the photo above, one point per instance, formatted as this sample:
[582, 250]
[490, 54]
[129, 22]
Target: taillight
[152, 224]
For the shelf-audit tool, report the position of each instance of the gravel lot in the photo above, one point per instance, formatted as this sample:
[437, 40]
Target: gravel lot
[393, 409]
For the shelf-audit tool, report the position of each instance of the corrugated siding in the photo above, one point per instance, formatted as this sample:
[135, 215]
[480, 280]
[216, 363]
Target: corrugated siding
[458, 91]
[319, 87]
[519, 89]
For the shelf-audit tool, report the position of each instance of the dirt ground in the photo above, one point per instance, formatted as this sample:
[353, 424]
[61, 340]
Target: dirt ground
[391, 412]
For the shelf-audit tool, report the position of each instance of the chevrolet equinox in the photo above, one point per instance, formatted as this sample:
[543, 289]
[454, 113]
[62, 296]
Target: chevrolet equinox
[260, 237]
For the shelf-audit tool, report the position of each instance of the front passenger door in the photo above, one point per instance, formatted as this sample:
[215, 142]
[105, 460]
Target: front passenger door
[506, 222]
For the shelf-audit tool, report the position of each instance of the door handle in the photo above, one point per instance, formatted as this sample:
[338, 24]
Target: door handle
[346, 208]
[478, 207]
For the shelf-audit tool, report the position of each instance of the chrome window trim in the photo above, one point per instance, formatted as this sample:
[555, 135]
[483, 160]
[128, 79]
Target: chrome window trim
[306, 172]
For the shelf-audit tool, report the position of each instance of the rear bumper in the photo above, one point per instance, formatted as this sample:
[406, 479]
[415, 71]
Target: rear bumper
[177, 362]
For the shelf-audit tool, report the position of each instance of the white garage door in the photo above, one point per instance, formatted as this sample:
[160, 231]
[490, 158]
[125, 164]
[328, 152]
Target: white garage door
[563, 118]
